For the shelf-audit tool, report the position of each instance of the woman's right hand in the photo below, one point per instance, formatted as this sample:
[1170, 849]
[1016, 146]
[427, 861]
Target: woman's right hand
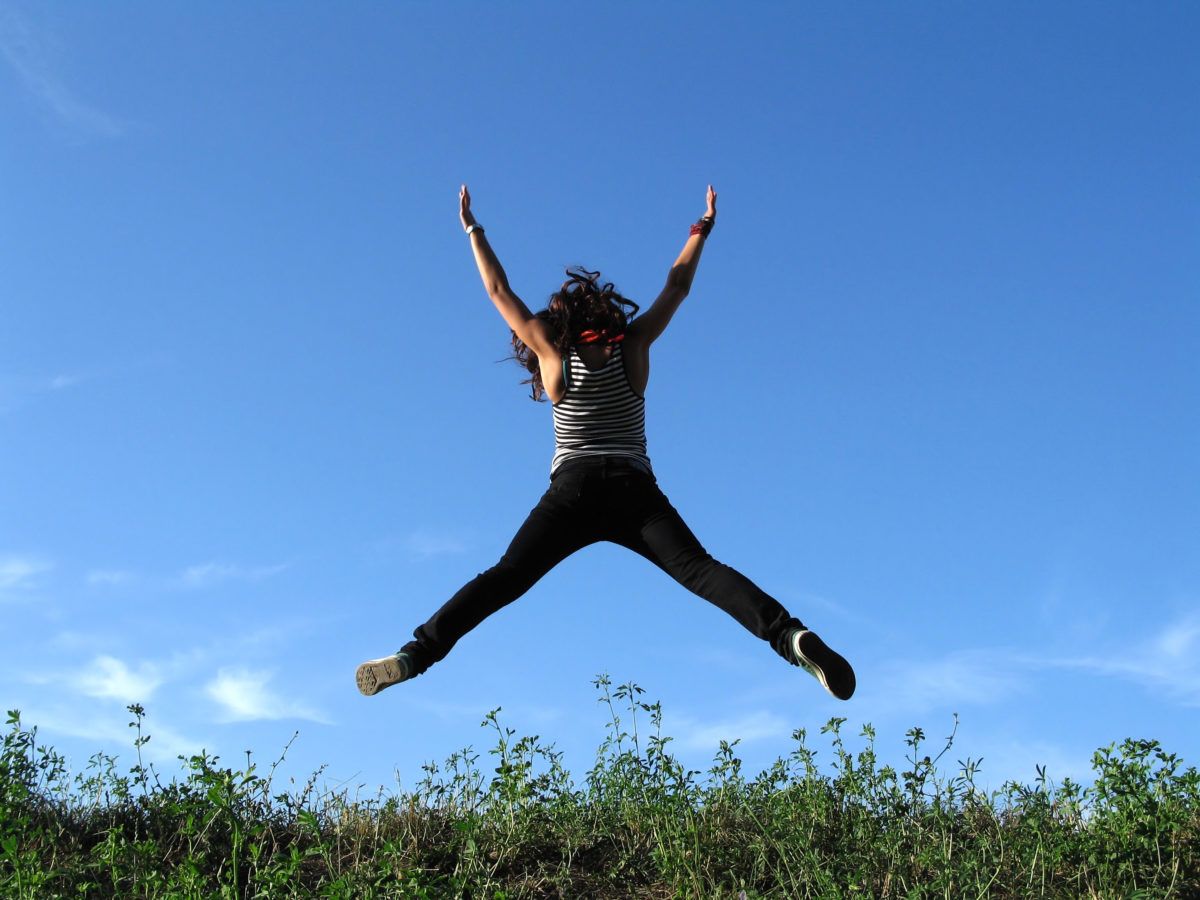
[711, 199]
[464, 208]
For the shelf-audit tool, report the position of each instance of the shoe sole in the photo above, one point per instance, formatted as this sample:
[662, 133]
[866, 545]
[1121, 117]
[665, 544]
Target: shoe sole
[829, 666]
[376, 674]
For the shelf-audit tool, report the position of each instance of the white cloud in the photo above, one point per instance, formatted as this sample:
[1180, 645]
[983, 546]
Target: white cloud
[165, 745]
[1166, 662]
[107, 677]
[18, 390]
[691, 734]
[58, 382]
[804, 602]
[20, 572]
[210, 573]
[201, 575]
[244, 696]
[1018, 760]
[30, 55]
[1176, 640]
[74, 641]
[110, 577]
[968, 677]
[424, 544]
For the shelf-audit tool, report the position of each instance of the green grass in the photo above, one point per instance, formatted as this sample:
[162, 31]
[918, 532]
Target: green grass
[638, 825]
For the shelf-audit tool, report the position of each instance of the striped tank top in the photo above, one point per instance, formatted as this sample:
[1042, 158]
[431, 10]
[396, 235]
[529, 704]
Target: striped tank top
[599, 414]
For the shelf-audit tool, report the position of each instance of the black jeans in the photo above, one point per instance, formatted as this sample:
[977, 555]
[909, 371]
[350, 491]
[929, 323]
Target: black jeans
[607, 498]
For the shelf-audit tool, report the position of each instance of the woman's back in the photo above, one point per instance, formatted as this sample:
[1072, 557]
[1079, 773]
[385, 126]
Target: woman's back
[599, 412]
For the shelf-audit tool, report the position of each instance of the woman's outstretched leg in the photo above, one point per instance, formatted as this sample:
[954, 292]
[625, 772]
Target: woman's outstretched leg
[659, 533]
[554, 529]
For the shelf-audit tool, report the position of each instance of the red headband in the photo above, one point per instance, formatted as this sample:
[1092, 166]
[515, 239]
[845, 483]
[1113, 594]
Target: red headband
[591, 336]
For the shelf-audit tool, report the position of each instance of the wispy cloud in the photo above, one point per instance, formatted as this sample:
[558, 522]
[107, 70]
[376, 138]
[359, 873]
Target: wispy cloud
[424, 544]
[105, 678]
[1178, 641]
[31, 54]
[244, 695]
[805, 601]
[691, 734]
[112, 728]
[965, 677]
[20, 575]
[419, 544]
[194, 577]
[110, 577]
[18, 390]
[1166, 661]
[1005, 760]
[21, 572]
[210, 573]
[61, 382]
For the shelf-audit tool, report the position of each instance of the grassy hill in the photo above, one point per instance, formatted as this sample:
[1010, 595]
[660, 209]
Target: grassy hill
[638, 825]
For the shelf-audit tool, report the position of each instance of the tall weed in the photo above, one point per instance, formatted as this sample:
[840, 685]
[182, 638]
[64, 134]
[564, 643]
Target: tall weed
[639, 824]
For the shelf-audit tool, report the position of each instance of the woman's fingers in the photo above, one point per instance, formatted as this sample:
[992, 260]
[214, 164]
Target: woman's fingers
[712, 201]
[464, 207]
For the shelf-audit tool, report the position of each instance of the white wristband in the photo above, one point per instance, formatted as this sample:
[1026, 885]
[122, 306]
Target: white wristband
[475, 227]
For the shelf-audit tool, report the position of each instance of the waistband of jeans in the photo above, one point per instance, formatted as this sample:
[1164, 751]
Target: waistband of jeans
[602, 462]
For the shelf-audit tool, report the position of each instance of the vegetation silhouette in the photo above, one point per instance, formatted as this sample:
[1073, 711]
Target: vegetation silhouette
[639, 824]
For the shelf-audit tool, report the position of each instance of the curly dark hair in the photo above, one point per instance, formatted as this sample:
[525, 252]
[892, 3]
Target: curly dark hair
[583, 302]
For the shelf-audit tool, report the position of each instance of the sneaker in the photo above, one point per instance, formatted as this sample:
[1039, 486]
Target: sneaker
[376, 674]
[826, 665]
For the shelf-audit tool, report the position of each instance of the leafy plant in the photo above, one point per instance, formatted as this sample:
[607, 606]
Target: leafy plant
[639, 824]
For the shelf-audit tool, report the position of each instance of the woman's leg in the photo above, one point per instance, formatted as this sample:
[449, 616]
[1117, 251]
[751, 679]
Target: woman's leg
[554, 529]
[653, 528]
[649, 525]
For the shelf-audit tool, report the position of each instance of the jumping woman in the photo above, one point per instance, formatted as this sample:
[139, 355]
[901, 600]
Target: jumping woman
[589, 352]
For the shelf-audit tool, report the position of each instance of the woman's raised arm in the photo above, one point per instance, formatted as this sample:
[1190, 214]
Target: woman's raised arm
[653, 322]
[531, 330]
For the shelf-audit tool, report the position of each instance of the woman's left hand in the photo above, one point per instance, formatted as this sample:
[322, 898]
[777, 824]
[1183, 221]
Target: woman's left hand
[712, 203]
[464, 208]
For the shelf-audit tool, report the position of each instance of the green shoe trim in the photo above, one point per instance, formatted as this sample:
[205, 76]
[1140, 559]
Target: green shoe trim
[406, 664]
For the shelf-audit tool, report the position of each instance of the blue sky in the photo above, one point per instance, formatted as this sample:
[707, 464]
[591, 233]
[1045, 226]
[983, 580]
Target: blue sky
[935, 387]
